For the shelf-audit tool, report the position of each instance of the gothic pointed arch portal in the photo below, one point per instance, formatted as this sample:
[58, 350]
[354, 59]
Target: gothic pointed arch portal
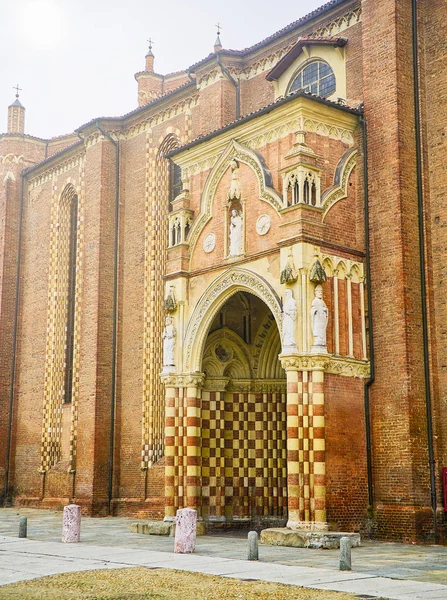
[230, 464]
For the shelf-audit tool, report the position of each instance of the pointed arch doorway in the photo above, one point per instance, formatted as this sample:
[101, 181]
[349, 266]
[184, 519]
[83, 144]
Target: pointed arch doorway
[243, 415]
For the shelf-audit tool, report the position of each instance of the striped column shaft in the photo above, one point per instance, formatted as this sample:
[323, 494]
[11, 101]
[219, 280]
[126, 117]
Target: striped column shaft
[293, 462]
[304, 458]
[319, 449]
[350, 318]
[170, 449]
[193, 400]
[362, 315]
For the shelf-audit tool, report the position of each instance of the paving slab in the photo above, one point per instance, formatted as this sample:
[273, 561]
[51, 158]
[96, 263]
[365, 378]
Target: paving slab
[387, 570]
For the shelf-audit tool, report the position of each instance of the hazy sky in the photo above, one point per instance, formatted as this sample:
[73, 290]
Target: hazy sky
[76, 59]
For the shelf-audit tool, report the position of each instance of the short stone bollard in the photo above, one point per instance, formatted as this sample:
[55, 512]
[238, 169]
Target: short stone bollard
[23, 526]
[345, 554]
[253, 551]
[71, 528]
[185, 531]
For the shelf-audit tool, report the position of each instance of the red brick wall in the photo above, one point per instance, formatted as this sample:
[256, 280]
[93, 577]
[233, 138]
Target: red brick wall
[433, 82]
[346, 478]
[397, 397]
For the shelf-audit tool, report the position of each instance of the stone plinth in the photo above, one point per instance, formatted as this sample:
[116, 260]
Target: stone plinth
[162, 528]
[306, 539]
[185, 531]
[71, 528]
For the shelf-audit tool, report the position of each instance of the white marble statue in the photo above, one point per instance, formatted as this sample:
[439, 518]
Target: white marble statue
[169, 335]
[234, 193]
[320, 317]
[235, 233]
[288, 320]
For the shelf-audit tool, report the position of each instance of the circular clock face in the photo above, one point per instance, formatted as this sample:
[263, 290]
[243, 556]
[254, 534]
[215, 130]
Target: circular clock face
[263, 224]
[209, 243]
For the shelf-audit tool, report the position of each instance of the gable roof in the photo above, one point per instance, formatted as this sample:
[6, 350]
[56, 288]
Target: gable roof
[295, 51]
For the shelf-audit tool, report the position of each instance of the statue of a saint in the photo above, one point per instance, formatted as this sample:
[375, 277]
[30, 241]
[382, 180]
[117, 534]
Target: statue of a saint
[235, 233]
[319, 315]
[288, 321]
[234, 193]
[169, 335]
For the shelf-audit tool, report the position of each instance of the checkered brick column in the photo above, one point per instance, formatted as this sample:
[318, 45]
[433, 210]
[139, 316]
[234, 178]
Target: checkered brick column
[318, 450]
[306, 468]
[172, 396]
[295, 503]
[194, 384]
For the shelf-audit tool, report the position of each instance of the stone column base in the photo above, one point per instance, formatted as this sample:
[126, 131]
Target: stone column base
[307, 525]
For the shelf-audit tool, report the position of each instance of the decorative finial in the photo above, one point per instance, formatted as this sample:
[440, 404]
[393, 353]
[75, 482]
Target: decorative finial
[17, 89]
[218, 43]
[149, 52]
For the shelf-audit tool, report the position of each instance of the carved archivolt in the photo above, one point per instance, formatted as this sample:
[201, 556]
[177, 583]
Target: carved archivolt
[347, 367]
[234, 151]
[339, 190]
[232, 281]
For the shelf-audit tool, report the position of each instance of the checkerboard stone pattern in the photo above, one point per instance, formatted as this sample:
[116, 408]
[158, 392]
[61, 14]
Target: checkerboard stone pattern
[156, 241]
[55, 357]
[241, 450]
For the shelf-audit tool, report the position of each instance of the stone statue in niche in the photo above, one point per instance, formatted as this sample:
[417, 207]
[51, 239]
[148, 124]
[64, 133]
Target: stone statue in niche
[169, 335]
[235, 233]
[234, 193]
[288, 322]
[319, 316]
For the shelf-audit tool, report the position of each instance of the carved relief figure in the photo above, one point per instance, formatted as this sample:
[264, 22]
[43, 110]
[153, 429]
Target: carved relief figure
[235, 233]
[320, 317]
[288, 320]
[169, 335]
[234, 193]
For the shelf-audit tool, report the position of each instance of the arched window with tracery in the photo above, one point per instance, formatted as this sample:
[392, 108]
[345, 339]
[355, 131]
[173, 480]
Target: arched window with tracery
[316, 77]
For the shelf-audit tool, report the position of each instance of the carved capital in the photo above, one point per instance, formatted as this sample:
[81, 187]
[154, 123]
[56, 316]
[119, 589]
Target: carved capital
[346, 367]
[182, 380]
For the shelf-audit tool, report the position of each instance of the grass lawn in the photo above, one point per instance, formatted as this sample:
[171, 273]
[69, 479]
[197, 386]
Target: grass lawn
[145, 583]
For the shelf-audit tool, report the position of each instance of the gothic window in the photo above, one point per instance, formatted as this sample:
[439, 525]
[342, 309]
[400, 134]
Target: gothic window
[175, 181]
[316, 77]
[69, 341]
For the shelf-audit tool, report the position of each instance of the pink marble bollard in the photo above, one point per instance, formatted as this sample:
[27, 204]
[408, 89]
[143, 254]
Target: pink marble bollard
[185, 531]
[71, 528]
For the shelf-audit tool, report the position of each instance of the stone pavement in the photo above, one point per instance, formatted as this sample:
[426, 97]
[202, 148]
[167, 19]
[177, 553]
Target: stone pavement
[385, 570]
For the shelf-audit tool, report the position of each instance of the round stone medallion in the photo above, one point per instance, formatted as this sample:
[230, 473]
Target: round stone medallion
[209, 243]
[263, 224]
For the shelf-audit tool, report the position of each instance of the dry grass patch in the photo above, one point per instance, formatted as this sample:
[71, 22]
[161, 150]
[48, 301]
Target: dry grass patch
[163, 584]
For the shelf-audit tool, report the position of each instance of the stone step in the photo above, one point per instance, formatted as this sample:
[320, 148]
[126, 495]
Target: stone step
[300, 538]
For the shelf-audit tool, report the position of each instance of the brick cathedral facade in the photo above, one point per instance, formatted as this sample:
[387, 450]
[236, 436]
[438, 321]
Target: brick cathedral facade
[232, 297]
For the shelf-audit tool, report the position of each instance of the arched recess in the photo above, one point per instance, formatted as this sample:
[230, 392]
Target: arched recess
[339, 189]
[62, 349]
[245, 155]
[211, 302]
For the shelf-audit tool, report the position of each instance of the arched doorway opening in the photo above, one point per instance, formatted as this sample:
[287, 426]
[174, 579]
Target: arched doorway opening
[243, 415]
